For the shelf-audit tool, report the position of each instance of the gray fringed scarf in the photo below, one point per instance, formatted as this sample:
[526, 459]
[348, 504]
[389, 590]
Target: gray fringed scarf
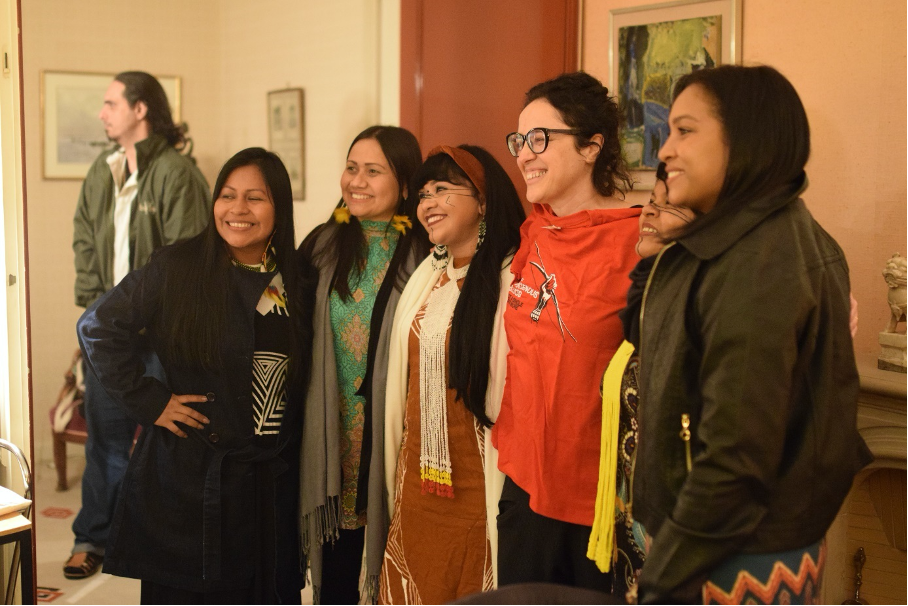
[320, 466]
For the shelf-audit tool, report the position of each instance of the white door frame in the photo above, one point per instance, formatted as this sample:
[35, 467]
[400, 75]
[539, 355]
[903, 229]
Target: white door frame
[15, 387]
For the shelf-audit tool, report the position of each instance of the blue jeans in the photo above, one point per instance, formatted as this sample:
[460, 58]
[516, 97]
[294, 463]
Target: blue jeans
[110, 436]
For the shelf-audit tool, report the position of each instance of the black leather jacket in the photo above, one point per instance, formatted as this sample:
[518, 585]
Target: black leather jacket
[744, 329]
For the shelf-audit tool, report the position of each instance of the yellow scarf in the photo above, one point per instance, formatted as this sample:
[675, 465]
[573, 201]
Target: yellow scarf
[602, 537]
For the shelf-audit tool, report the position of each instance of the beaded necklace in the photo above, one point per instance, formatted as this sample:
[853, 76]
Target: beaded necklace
[435, 455]
[275, 296]
[269, 264]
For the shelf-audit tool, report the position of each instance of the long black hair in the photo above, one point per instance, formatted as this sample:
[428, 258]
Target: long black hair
[474, 316]
[348, 244]
[584, 104]
[197, 285]
[140, 86]
[766, 130]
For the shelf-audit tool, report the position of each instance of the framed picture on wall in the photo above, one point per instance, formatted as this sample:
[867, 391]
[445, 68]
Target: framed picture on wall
[650, 47]
[286, 135]
[71, 133]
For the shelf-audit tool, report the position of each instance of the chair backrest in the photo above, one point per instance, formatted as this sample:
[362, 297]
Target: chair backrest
[71, 395]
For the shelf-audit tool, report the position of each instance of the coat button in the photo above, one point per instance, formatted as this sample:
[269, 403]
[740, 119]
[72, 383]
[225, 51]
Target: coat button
[210, 396]
[213, 438]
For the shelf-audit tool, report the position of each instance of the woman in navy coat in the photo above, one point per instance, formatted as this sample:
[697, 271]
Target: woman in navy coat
[207, 511]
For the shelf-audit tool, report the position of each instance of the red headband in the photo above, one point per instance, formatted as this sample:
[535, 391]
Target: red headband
[467, 163]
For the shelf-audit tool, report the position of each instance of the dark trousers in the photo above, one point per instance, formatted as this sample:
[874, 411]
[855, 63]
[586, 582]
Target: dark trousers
[341, 565]
[110, 435]
[535, 549]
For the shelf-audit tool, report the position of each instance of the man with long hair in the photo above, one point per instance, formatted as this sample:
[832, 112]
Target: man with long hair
[138, 195]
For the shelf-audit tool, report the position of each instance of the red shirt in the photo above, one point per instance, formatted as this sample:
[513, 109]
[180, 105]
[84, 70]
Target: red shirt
[570, 282]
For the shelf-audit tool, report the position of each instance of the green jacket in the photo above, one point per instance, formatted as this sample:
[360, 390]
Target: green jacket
[172, 203]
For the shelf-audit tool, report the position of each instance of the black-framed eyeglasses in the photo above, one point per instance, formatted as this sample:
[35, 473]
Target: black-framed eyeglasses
[536, 138]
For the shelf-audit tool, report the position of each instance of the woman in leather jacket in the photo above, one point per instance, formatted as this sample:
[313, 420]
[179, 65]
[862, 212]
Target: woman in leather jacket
[748, 376]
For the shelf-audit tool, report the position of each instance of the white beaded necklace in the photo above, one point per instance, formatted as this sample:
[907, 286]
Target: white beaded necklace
[434, 455]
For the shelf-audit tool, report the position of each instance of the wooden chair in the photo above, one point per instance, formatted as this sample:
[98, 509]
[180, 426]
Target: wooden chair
[66, 421]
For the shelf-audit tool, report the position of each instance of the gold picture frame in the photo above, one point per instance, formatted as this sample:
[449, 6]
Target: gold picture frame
[72, 136]
[649, 48]
[286, 135]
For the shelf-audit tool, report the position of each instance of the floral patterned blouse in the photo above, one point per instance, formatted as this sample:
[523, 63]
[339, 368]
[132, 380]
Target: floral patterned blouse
[350, 322]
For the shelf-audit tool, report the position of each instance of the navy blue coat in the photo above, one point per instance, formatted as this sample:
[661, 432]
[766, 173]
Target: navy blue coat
[186, 516]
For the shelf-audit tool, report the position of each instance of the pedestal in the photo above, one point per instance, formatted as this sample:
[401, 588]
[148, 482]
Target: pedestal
[892, 352]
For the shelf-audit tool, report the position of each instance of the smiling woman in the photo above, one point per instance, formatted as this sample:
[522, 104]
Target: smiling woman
[451, 214]
[445, 377]
[227, 313]
[570, 281]
[244, 214]
[364, 255]
[661, 219]
[695, 154]
[368, 184]
[748, 381]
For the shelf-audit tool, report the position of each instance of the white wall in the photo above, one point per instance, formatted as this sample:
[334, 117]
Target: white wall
[330, 49]
[230, 53]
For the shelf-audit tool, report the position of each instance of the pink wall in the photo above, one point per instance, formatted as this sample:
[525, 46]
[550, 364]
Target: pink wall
[848, 62]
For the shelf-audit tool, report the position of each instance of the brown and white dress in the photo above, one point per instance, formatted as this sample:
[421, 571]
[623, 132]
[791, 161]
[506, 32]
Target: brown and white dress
[438, 546]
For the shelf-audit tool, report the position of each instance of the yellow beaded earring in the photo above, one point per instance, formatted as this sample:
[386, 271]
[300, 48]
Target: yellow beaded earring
[401, 223]
[342, 213]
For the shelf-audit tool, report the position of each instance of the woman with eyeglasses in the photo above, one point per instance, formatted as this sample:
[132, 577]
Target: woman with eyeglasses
[445, 378]
[364, 255]
[569, 283]
[748, 444]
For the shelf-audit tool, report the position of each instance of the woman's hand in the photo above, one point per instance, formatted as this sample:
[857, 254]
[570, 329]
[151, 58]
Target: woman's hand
[176, 410]
[853, 316]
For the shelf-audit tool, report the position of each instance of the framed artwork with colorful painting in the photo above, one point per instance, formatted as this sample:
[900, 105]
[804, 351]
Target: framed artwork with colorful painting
[650, 47]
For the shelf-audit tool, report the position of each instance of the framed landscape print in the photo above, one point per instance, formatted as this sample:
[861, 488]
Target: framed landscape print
[71, 133]
[286, 135]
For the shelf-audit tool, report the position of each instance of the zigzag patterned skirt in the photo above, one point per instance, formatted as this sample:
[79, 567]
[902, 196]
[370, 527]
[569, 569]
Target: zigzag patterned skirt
[789, 577]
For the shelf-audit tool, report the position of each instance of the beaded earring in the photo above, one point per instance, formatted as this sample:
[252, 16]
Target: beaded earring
[401, 223]
[342, 213]
[482, 234]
